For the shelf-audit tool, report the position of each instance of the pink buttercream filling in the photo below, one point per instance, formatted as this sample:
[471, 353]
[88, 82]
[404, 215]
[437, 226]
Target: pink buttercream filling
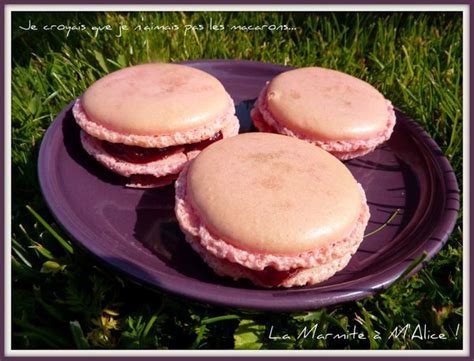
[154, 141]
[192, 225]
[260, 113]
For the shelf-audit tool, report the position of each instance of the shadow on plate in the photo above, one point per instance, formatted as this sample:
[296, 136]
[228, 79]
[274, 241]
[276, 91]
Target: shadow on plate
[242, 111]
[158, 230]
[72, 143]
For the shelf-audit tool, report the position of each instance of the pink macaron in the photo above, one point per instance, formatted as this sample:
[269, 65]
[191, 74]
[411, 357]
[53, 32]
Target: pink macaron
[146, 121]
[333, 110]
[272, 209]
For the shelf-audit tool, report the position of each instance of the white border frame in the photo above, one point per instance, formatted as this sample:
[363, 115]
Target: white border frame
[465, 9]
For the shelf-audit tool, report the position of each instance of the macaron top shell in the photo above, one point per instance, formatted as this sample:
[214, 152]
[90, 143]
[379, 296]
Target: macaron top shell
[273, 194]
[327, 104]
[155, 99]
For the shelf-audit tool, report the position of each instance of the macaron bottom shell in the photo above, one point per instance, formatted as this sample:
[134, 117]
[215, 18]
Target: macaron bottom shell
[268, 278]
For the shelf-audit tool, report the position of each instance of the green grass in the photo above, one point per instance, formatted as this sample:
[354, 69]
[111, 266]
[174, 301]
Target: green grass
[63, 299]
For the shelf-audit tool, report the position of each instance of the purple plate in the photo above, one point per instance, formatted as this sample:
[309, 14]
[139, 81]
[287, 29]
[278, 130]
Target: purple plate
[135, 231]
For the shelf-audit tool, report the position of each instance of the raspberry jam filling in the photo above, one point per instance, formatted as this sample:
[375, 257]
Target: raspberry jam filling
[269, 276]
[148, 179]
[140, 155]
[263, 125]
[272, 277]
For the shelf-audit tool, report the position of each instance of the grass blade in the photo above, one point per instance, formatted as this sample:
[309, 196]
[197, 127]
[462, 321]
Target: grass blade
[78, 335]
[45, 224]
